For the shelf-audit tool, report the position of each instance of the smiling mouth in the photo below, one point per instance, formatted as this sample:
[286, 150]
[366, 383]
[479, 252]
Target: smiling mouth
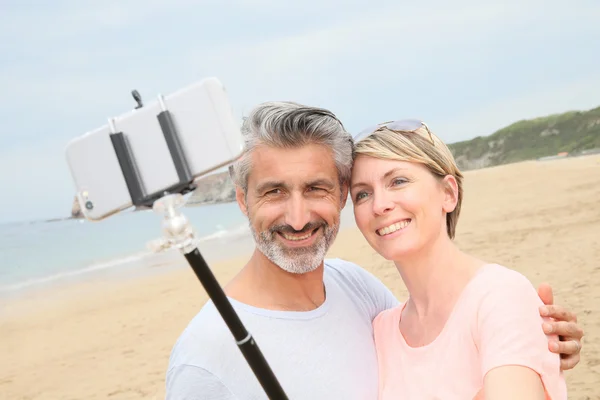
[393, 227]
[297, 237]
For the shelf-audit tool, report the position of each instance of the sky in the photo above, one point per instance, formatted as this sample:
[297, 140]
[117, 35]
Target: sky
[466, 67]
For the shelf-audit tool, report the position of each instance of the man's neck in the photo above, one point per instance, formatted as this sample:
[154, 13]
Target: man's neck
[265, 285]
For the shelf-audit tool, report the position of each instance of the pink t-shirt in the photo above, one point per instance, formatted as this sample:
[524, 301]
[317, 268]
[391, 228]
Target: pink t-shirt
[495, 322]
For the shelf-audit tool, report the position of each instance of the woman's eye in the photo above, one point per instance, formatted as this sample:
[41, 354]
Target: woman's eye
[360, 196]
[399, 181]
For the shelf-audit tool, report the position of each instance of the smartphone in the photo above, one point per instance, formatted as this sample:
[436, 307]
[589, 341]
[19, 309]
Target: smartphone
[209, 137]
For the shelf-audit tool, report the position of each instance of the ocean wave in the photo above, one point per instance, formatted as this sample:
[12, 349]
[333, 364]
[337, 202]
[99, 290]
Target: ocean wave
[153, 255]
[160, 244]
[94, 267]
[240, 230]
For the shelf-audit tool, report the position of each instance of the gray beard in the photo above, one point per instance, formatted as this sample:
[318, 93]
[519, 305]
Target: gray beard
[295, 260]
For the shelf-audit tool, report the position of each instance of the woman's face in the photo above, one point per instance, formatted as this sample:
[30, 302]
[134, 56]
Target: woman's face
[400, 207]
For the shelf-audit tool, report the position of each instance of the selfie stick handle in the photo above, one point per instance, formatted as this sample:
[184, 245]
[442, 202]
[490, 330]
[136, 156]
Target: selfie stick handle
[179, 233]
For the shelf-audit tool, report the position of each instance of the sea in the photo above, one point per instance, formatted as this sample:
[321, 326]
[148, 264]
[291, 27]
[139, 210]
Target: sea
[35, 254]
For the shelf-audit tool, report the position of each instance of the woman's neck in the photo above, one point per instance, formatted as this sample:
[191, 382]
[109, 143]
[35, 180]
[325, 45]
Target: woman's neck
[435, 276]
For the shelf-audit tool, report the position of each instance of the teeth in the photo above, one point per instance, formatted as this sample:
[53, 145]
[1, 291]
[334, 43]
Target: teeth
[393, 228]
[288, 237]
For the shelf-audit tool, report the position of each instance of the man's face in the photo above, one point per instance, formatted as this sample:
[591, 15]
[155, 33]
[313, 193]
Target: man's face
[293, 204]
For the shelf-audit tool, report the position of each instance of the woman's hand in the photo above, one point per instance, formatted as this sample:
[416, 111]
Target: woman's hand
[564, 324]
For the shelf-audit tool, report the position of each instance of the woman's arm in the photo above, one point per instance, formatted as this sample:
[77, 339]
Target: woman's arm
[515, 360]
[513, 382]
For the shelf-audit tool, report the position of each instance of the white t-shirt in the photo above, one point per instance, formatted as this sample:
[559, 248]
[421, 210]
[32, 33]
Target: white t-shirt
[327, 353]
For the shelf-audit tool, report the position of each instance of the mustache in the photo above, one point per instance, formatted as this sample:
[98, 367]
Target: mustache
[309, 227]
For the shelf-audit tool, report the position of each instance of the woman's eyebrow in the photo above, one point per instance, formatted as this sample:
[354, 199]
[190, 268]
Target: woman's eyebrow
[385, 176]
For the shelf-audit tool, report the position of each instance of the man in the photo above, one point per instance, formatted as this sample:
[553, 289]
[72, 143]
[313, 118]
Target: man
[310, 317]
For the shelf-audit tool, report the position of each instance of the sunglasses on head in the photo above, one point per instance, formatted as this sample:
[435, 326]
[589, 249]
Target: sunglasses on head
[403, 125]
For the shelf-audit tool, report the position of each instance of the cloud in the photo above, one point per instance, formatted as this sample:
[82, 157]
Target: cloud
[580, 94]
[63, 19]
[466, 67]
[402, 61]
[36, 182]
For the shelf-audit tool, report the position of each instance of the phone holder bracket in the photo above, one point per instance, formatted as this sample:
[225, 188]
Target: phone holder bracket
[126, 158]
[177, 229]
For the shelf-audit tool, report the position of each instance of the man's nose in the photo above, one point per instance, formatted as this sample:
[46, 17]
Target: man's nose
[297, 213]
[382, 202]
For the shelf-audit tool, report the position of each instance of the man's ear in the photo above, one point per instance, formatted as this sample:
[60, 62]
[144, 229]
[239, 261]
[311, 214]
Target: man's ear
[240, 197]
[450, 193]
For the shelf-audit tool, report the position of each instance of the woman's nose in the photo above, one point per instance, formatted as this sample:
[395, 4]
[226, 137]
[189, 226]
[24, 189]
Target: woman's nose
[382, 203]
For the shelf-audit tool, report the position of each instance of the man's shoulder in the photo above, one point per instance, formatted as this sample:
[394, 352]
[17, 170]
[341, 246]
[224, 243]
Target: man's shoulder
[204, 340]
[361, 286]
[353, 276]
[343, 266]
[201, 353]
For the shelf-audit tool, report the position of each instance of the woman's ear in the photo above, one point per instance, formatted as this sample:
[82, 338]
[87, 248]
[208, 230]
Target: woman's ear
[450, 187]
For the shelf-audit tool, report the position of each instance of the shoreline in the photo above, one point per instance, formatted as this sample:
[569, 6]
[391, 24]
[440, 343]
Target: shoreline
[215, 247]
[137, 261]
[147, 267]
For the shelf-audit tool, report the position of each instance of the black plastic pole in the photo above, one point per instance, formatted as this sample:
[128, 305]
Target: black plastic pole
[243, 338]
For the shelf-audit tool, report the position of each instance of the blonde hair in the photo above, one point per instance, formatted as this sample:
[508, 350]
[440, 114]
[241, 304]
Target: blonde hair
[416, 147]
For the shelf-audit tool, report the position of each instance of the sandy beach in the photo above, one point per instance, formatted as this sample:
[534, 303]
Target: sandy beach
[111, 338]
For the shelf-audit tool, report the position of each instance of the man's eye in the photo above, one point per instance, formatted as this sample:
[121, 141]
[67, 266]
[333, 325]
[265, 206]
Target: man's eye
[273, 191]
[315, 189]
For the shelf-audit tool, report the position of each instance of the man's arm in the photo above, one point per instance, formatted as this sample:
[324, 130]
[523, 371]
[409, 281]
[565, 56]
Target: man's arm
[188, 382]
[564, 324]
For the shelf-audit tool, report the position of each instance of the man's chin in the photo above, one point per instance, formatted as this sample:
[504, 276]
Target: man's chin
[298, 260]
[297, 271]
[299, 267]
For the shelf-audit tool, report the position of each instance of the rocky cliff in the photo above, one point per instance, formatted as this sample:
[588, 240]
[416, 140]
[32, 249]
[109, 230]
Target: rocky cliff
[215, 188]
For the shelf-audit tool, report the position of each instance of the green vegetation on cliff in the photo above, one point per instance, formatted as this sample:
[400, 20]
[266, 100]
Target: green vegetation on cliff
[572, 132]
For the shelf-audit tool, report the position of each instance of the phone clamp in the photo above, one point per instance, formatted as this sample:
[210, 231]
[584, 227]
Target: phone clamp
[126, 158]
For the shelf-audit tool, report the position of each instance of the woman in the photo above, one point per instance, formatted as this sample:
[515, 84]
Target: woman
[469, 329]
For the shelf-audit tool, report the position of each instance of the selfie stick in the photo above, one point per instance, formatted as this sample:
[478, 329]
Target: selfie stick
[179, 233]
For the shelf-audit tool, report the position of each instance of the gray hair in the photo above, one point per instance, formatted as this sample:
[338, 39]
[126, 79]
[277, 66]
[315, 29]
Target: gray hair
[290, 125]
